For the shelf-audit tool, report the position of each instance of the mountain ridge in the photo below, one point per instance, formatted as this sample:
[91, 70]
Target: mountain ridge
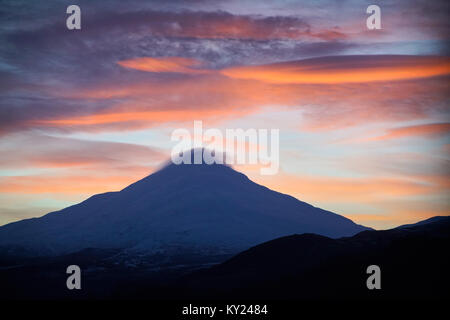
[310, 266]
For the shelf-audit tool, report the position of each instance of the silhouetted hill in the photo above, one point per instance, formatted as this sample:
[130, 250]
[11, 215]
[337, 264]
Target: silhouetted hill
[413, 262]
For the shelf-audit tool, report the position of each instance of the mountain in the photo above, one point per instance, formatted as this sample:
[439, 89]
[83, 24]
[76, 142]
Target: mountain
[197, 208]
[432, 219]
[413, 263]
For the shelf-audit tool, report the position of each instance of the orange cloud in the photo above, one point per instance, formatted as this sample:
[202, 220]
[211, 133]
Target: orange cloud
[413, 131]
[139, 119]
[164, 64]
[323, 106]
[208, 98]
[63, 184]
[348, 189]
[345, 69]
[214, 97]
[328, 70]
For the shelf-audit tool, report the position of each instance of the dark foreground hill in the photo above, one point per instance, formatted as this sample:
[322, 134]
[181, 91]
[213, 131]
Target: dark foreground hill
[413, 260]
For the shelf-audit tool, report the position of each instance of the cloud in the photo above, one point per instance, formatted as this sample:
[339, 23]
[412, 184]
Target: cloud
[347, 189]
[345, 69]
[164, 64]
[42, 151]
[325, 70]
[65, 184]
[148, 99]
[425, 130]
[71, 167]
[213, 25]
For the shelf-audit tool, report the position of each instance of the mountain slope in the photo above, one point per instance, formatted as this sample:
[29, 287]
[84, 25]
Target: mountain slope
[430, 220]
[203, 208]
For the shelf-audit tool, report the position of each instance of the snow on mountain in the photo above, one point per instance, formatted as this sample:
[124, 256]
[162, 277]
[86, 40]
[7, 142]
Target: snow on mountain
[180, 208]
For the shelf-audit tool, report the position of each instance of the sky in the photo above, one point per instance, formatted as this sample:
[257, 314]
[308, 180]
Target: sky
[363, 114]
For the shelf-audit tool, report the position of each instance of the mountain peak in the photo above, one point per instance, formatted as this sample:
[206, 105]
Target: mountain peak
[190, 174]
[198, 156]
